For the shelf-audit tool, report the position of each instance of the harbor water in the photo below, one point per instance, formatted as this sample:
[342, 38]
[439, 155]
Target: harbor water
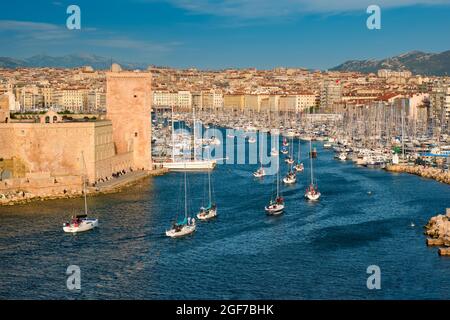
[313, 251]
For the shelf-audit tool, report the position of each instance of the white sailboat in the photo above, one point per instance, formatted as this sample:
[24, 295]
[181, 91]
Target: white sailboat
[299, 166]
[188, 164]
[274, 152]
[290, 159]
[290, 177]
[187, 225]
[276, 207]
[260, 172]
[80, 223]
[312, 192]
[210, 211]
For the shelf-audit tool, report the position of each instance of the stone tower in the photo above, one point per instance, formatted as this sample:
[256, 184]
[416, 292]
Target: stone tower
[4, 108]
[128, 105]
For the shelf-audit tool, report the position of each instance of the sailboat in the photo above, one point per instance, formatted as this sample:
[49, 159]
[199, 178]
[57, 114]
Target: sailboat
[276, 206]
[187, 225]
[80, 223]
[290, 159]
[312, 192]
[290, 177]
[210, 211]
[260, 172]
[188, 164]
[299, 166]
[274, 152]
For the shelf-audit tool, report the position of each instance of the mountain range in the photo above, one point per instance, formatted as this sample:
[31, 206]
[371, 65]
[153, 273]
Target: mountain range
[418, 62]
[67, 61]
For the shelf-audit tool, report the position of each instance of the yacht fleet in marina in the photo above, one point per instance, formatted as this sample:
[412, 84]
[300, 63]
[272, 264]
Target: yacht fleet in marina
[368, 144]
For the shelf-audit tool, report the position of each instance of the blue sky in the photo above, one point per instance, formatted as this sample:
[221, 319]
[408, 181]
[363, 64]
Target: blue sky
[225, 33]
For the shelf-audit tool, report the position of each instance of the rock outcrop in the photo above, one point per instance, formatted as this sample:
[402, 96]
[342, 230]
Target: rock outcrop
[425, 172]
[438, 231]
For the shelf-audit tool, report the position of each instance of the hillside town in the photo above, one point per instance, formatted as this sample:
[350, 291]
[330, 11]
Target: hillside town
[83, 90]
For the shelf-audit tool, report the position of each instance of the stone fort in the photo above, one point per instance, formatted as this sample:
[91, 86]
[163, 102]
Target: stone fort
[45, 155]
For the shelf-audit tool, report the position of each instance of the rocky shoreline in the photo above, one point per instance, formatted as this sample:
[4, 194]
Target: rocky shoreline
[24, 198]
[425, 172]
[438, 232]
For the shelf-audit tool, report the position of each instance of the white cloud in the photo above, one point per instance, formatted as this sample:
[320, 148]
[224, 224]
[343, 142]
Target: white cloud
[30, 36]
[33, 30]
[276, 8]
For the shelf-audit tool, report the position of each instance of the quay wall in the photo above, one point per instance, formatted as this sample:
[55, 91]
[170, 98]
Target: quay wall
[425, 172]
[44, 187]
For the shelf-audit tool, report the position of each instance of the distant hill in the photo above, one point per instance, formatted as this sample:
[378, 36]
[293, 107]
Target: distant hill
[67, 61]
[6, 62]
[418, 62]
[436, 64]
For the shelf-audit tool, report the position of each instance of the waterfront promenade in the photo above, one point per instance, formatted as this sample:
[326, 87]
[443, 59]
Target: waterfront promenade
[110, 186]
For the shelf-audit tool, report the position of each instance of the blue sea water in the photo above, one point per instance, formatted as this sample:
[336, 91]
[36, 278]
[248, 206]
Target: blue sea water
[314, 251]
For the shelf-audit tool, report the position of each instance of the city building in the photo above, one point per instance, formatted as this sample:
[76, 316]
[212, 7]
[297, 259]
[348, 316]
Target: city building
[330, 94]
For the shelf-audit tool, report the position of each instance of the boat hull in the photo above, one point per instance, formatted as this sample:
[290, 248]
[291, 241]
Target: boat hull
[211, 214]
[258, 175]
[275, 210]
[186, 230]
[85, 225]
[183, 166]
[312, 197]
[289, 181]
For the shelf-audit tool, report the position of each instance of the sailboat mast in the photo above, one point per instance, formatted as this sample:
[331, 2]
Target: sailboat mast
[278, 177]
[403, 131]
[310, 159]
[193, 125]
[84, 184]
[209, 186]
[173, 139]
[185, 194]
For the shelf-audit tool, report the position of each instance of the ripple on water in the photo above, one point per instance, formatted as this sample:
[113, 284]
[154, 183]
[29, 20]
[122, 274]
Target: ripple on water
[316, 250]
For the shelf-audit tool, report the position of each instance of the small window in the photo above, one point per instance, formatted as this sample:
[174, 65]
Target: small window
[135, 96]
[136, 134]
